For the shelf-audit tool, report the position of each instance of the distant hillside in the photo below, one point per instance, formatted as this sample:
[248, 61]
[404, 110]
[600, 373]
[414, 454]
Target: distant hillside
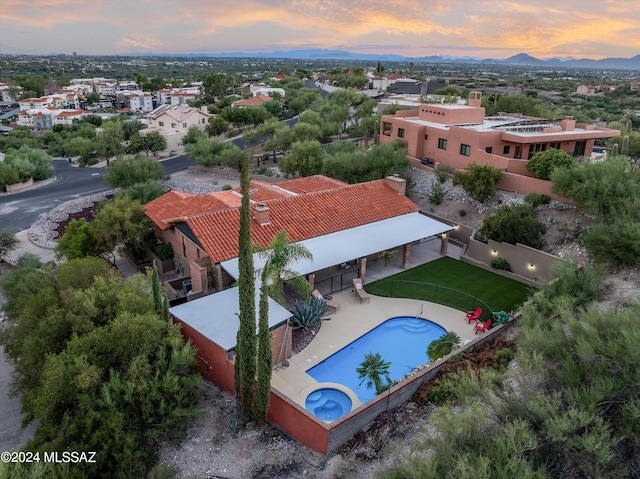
[519, 59]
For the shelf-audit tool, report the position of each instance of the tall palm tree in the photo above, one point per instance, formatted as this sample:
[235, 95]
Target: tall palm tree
[279, 256]
[373, 369]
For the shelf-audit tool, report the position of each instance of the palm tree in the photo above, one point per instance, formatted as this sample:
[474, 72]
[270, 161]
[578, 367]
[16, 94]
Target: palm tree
[278, 258]
[373, 369]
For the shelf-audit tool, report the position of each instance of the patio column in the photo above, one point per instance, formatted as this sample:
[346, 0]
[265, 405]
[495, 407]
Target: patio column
[362, 270]
[217, 276]
[444, 244]
[312, 281]
[406, 254]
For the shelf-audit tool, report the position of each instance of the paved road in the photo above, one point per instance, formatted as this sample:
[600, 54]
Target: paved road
[18, 211]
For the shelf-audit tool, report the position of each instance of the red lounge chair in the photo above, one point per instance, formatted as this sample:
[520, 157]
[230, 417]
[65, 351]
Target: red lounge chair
[482, 327]
[473, 315]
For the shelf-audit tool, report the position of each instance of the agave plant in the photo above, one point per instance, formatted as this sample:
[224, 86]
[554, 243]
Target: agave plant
[443, 345]
[308, 314]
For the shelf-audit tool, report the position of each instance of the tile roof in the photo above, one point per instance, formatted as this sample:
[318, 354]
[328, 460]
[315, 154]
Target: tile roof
[303, 217]
[310, 184]
[257, 100]
[175, 205]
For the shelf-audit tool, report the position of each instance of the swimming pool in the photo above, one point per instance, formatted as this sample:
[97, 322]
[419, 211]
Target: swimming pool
[402, 340]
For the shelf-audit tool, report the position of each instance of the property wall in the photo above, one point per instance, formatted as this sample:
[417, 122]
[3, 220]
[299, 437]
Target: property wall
[184, 249]
[19, 186]
[297, 422]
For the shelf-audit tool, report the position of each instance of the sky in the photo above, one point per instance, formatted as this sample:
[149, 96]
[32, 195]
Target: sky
[476, 28]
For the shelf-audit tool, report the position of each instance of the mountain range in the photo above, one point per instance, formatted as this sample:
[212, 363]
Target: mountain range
[519, 59]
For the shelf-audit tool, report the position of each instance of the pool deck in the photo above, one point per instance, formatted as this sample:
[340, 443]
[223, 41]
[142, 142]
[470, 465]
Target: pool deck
[349, 323]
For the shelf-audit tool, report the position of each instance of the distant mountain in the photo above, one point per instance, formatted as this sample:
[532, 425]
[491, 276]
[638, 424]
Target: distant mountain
[519, 59]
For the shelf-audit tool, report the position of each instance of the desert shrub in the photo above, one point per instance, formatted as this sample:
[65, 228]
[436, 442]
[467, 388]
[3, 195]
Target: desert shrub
[501, 264]
[542, 164]
[462, 212]
[514, 224]
[503, 357]
[443, 345]
[227, 187]
[306, 315]
[437, 193]
[444, 390]
[617, 243]
[535, 199]
[441, 174]
[479, 181]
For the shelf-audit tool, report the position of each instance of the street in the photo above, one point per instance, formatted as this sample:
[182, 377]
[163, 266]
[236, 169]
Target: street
[18, 211]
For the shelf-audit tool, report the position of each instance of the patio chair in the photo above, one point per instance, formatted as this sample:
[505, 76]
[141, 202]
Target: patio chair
[473, 315]
[358, 288]
[482, 327]
[332, 304]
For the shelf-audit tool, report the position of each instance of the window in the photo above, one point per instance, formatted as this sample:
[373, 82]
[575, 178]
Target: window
[489, 149]
[506, 150]
[174, 125]
[426, 137]
[578, 150]
[442, 143]
[517, 152]
[555, 146]
[400, 132]
[161, 123]
[536, 148]
[184, 125]
[465, 150]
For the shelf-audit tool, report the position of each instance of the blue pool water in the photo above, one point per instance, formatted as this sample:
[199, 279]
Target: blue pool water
[403, 341]
[328, 404]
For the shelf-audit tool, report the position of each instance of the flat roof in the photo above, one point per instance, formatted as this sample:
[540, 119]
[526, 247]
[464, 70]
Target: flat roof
[347, 245]
[217, 316]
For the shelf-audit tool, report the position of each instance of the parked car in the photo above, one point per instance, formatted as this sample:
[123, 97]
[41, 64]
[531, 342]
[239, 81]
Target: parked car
[427, 161]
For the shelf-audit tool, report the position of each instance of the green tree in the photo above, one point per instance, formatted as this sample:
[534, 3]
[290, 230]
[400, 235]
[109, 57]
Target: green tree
[121, 224]
[30, 163]
[92, 98]
[216, 85]
[109, 140]
[514, 224]
[305, 159]
[278, 258]
[130, 128]
[207, 151]
[443, 345]
[245, 362]
[78, 241]
[128, 171]
[8, 175]
[143, 192]
[217, 126]
[80, 146]
[374, 370]
[265, 356]
[543, 163]
[194, 134]
[478, 180]
[152, 142]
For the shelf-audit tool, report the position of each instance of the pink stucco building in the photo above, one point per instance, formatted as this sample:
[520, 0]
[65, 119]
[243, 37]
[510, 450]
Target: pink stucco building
[456, 135]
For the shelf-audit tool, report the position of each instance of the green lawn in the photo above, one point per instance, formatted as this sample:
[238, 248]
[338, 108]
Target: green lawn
[452, 276]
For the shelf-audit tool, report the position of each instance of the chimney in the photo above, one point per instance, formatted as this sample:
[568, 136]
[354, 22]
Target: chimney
[204, 109]
[475, 99]
[397, 184]
[568, 124]
[261, 214]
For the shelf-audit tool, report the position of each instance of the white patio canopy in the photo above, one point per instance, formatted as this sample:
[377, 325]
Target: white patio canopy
[217, 316]
[347, 245]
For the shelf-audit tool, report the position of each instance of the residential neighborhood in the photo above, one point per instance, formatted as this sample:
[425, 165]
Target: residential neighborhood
[271, 260]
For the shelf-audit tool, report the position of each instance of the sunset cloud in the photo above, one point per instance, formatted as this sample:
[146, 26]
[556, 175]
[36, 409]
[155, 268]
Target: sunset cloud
[486, 28]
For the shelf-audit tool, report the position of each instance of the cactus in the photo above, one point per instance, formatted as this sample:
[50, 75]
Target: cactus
[307, 315]
[614, 150]
[625, 146]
